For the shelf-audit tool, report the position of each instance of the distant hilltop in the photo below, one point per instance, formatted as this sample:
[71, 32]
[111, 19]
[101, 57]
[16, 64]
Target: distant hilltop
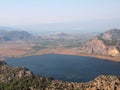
[61, 34]
[107, 43]
[14, 35]
[113, 34]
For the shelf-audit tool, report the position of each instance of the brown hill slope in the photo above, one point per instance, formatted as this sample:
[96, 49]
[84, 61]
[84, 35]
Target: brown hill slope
[104, 44]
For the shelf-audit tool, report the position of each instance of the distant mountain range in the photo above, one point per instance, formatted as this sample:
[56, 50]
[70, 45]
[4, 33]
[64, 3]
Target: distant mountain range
[107, 43]
[14, 35]
[23, 36]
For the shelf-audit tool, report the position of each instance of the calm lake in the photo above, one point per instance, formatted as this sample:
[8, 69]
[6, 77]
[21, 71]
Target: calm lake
[66, 67]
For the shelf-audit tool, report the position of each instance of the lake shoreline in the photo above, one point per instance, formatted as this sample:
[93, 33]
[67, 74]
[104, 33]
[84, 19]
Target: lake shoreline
[110, 58]
[68, 52]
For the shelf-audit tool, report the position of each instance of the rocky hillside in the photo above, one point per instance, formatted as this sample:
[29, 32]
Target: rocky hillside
[113, 34]
[107, 43]
[19, 78]
[14, 35]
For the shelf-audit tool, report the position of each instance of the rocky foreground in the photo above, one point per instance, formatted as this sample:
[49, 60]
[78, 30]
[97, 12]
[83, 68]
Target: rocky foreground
[20, 78]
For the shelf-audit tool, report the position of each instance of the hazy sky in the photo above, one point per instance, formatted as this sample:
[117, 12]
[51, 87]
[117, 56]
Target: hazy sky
[23, 12]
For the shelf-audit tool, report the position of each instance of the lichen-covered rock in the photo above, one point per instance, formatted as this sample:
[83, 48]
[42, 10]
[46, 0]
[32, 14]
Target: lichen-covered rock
[105, 83]
[8, 73]
[24, 73]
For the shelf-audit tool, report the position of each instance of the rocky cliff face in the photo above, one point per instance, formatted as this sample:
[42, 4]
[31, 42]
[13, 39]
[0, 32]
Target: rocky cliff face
[17, 78]
[95, 46]
[104, 44]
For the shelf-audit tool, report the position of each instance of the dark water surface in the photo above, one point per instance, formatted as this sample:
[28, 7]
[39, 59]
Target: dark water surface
[66, 67]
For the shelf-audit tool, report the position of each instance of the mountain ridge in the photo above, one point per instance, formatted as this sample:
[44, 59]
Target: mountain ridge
[14, 35]
[106, 43]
